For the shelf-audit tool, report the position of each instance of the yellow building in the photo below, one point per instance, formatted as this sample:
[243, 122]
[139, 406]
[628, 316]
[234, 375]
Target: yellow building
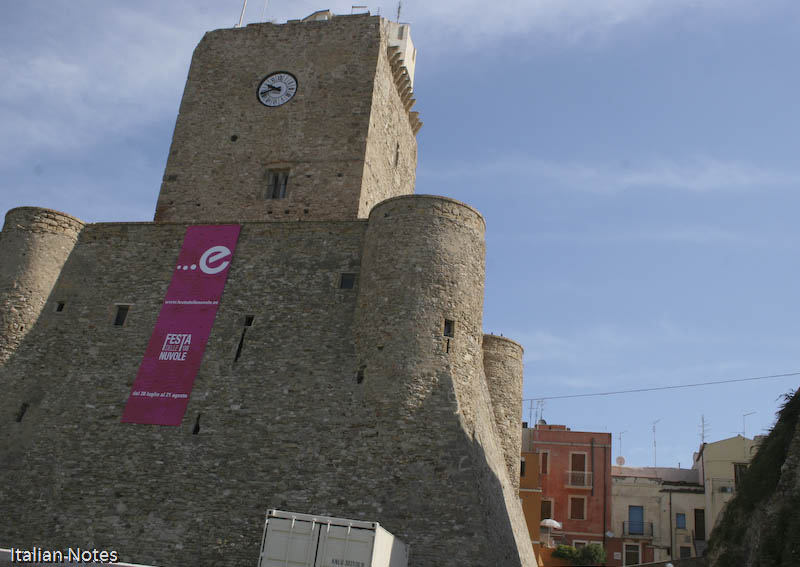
[720, 465]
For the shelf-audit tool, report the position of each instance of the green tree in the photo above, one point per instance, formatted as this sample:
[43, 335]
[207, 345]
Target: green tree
[592, 554]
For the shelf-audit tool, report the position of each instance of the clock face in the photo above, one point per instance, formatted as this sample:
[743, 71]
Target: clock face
[277, 89]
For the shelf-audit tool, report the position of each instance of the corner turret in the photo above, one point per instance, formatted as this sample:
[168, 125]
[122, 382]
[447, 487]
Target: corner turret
[502, 363]
[34, 245]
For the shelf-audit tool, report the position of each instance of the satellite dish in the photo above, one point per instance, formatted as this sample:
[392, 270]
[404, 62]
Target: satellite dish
[620, 460]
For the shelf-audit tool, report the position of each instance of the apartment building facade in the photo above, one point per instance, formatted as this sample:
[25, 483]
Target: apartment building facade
[653, 514]
[575, 480]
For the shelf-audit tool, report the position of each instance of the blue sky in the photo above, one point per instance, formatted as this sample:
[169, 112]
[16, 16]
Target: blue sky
[636, 162]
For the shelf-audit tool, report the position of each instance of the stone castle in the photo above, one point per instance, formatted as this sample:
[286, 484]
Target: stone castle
[346, 373]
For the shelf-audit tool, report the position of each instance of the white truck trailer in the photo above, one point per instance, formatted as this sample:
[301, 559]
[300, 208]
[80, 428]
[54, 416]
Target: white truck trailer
[304, 540]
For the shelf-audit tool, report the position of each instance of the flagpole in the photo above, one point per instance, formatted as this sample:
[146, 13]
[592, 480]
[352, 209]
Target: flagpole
[241, 17]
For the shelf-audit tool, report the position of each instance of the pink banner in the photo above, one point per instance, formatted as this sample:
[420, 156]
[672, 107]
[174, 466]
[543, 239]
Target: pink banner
[161, 390]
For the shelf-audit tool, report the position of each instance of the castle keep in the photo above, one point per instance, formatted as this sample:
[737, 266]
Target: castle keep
[346, 372]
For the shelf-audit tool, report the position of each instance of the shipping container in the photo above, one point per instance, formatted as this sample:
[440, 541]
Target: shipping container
[304, 540]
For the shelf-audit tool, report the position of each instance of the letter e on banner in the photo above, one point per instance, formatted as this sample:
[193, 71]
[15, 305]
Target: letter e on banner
[214, 254]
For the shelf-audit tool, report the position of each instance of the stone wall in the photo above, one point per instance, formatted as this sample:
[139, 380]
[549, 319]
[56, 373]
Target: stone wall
[343, 402]
[274, 426]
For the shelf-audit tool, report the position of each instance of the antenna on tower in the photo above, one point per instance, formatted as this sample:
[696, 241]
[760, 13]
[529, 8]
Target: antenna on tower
[704, 429]
[655, 461]
[535, 414]
[399, 8]
[744, 415]
[241, 16]
[619, 436]
[539, 411]
[264, 11]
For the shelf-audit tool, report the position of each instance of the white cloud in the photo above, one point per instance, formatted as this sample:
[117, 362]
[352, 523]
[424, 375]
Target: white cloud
[595, 350]
[595, 343]
[473, 23]
[698, 174]
[112, 72]
[694, 234]
[476, 22]
[679, 235]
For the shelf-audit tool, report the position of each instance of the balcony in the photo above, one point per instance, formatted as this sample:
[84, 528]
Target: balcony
[578, 479]
[637, 529]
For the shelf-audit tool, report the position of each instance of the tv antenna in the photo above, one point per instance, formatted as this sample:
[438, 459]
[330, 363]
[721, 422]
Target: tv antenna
[264, 11]
[535, 413]
[703, 428]
[399, 8]
[655, 461]
[744, 415]
[619, 436]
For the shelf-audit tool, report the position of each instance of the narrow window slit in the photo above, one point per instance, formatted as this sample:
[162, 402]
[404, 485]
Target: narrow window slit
[122, 314]
[248, 322]
[360, 375]
[347, 281]
[60, 306]
[449, 328]
[196, 428]
[22, 409]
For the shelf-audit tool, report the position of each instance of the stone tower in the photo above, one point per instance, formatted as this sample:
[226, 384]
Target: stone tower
[346, 142]
[346, 372]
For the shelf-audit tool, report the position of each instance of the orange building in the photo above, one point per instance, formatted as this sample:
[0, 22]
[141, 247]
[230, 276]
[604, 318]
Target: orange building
[530, 491]
[574, 474]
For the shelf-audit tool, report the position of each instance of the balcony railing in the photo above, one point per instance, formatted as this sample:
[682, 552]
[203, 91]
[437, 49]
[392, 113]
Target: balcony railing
[641, 529]
[580, 479]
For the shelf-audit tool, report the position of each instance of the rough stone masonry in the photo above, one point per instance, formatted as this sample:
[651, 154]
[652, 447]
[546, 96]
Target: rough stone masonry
[346, 373]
